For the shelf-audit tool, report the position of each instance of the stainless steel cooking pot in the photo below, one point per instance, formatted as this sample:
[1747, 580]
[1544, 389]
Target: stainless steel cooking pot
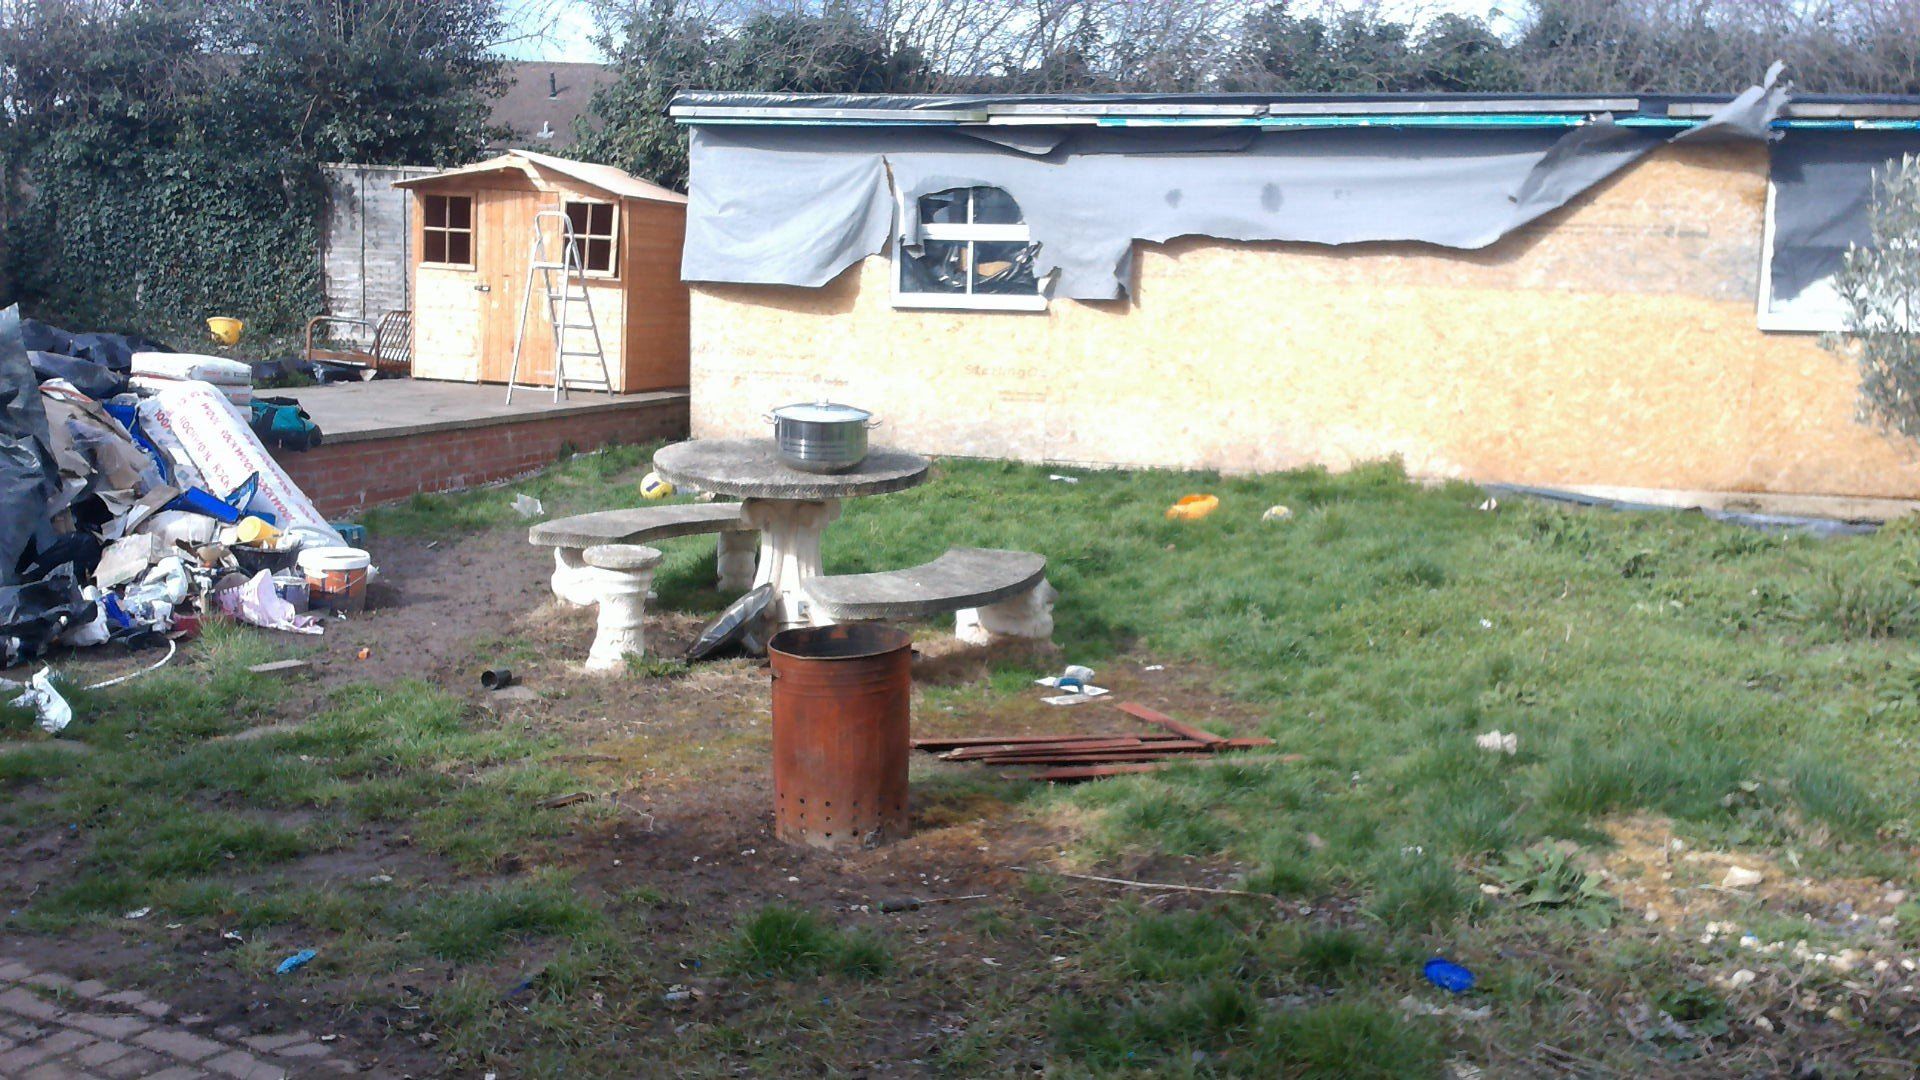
[821, 437]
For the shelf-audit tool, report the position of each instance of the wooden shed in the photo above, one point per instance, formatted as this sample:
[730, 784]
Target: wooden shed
[473, 240]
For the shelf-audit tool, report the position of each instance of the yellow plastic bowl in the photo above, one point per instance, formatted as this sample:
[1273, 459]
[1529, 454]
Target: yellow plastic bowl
[225, 331]
[1193, 507]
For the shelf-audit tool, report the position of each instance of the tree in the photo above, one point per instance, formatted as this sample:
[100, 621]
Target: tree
[665, 47]
[1881, 287]
[163, 156]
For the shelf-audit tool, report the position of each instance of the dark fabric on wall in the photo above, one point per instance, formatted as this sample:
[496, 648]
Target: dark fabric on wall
[1823, 188]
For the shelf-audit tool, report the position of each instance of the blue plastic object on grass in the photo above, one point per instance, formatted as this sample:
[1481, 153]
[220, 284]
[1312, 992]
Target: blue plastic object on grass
[1449, 976]
[295, 962]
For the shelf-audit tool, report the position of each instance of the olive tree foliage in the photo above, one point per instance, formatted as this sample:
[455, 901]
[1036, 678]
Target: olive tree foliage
[1880, 285]
[160, 159]
[1281, 46]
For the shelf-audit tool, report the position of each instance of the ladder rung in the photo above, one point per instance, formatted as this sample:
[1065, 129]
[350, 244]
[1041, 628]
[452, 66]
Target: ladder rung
[578, 326]
[570, 352]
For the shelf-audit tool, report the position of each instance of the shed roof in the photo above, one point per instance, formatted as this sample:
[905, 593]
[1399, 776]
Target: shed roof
[531, 162]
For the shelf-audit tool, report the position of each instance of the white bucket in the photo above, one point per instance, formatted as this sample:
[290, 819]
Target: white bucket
[336, 577]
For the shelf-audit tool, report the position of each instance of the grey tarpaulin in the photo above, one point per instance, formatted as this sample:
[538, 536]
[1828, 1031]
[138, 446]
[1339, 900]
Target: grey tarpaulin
[1822, 187]
[799, 205]
[28, 478]
[782, 212]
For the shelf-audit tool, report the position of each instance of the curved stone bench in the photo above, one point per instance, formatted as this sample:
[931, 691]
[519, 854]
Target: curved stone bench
[569, 537]
[993, 593]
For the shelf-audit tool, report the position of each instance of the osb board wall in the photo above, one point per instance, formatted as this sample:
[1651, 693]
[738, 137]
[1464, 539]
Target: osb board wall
[1612, 343]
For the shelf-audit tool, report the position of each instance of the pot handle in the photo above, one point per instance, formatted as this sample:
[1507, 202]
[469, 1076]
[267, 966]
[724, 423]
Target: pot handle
[766, 418]
[871, 424]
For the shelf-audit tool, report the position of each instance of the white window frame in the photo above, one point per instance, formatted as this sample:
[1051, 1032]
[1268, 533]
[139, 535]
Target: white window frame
[1817, 310]
[612, 273]
[969, 234]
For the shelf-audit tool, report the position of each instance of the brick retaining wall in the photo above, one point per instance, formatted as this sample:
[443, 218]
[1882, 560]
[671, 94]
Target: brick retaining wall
[370, 468]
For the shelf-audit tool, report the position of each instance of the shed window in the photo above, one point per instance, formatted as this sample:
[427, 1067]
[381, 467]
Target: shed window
[447, 233]
[593, 230]
[975, 252]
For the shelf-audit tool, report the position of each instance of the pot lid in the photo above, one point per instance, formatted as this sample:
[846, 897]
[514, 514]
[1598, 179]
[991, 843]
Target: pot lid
[820, 412]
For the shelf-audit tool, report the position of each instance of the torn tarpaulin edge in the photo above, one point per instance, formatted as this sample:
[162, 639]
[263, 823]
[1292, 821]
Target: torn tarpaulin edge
[798, 206]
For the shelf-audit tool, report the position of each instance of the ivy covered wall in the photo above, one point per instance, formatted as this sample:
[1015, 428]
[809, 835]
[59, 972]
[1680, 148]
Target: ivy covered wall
[160, 160]
[157, 243]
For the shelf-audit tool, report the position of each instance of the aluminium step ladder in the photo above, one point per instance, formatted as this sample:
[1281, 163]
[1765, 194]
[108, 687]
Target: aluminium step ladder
[561, 304]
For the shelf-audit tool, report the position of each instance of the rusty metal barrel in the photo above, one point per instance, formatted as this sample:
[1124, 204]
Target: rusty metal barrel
[842, 708]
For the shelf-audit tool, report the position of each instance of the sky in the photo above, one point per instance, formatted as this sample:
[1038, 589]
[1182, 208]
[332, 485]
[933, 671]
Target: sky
[552, 30]
[563, 29]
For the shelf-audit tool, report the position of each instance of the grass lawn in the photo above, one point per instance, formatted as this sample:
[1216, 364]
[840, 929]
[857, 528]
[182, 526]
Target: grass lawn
[1687, 696]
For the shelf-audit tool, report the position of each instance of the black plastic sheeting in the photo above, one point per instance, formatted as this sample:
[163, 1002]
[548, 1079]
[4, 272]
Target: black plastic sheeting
[111, 351]
[1812, 526]
[97, 381]
[28, 477]
[1823, 185]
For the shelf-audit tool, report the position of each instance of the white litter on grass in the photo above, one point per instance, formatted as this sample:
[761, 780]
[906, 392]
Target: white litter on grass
[1490, 505]
[1072, 695]
[50, 710]
[1500, 742]
[1486, 624]
[1739, 877]
[139, 913]
[1740, 978]
[1085, 692]
[527, 506]
[1063, 479]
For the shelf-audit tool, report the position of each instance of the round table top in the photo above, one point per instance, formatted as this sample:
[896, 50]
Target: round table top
[751, 469]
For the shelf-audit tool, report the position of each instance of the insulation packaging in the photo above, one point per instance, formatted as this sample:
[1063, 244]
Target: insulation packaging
[226, 453]
[152, 371]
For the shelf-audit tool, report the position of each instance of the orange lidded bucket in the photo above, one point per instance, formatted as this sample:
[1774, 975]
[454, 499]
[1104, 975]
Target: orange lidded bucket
[336, 577]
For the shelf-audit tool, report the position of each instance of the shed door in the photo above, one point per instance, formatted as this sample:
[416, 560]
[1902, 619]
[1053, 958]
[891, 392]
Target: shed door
[507, 252]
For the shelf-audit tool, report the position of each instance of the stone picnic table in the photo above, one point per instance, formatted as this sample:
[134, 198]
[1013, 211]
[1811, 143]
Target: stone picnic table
[790, 508]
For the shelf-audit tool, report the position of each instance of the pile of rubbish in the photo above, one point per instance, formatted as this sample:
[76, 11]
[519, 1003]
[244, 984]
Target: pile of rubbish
[137, 495]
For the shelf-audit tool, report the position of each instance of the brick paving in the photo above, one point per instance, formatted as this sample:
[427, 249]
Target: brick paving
[54, 1028]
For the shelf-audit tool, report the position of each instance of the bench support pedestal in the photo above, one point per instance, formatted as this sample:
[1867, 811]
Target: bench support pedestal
[1027, 615]
[734, 560]
[789, 552]
[571, 580]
